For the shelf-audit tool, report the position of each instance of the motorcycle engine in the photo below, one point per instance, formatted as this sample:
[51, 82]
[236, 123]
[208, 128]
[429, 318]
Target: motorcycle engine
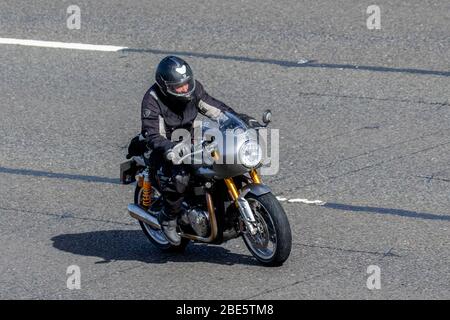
[198, 219]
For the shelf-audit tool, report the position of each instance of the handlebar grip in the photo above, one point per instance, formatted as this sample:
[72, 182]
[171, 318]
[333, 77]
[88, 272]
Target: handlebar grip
[170, 155]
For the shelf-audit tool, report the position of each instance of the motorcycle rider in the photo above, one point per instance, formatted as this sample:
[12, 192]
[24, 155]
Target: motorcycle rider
[174, 102]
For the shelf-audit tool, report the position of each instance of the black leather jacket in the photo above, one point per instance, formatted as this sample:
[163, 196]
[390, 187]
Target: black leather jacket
[160, 116]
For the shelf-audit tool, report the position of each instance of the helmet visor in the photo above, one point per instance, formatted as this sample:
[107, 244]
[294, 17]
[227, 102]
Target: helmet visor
[182, 89]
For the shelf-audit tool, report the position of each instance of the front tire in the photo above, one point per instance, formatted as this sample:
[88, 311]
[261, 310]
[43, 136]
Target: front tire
[272, 244]
[157, 237]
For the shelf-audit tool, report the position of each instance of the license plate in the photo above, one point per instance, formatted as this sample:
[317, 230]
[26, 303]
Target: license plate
[128, 171]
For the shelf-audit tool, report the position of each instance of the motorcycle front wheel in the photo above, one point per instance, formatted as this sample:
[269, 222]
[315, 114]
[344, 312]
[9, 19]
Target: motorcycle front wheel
[271, 245]
[156, 236]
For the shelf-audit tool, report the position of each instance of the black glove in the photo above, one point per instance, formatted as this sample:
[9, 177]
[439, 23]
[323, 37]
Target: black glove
[137, 147]
[249, 121]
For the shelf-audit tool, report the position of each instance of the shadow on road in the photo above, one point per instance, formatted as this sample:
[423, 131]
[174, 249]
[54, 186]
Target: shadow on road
[119, 245]
[292, 64]
[55, 175]
[390, 211]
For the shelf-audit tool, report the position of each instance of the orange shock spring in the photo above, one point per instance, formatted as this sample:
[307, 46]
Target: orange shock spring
[146, 190]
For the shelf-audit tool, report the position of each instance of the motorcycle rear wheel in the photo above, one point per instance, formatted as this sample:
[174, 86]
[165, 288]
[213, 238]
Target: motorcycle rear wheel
[272, 244]
[157, 237]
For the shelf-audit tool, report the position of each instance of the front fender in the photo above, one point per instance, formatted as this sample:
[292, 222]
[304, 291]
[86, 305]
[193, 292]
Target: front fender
[256, 189]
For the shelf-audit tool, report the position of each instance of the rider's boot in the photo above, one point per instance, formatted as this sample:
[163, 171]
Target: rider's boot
[169, 227]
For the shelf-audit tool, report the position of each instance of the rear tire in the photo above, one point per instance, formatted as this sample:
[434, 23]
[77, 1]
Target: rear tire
[275, 231]
[157, 237]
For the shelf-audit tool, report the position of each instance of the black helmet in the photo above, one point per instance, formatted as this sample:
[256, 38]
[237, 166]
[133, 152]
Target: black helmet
[173, 72]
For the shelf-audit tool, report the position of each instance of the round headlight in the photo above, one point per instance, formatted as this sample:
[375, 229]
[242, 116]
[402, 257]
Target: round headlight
[250, 154]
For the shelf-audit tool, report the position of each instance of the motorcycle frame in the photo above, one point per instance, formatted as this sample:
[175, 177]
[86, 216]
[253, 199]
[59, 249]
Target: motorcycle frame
[216, 236]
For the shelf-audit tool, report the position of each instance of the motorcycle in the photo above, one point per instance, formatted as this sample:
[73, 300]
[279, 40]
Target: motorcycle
[225, 199]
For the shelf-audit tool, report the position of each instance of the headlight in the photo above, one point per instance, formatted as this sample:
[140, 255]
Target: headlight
[250, 154]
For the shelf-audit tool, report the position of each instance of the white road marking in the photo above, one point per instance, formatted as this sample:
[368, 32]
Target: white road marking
[315, 202]
[60, 45]
[306, 201]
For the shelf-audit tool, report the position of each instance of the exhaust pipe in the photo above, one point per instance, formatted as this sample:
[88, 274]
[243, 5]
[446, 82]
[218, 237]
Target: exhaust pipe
[140, 214]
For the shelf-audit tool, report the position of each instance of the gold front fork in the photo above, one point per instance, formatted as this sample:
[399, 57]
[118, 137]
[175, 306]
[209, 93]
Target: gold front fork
[255, 176]
[242, 205]
[232, 189]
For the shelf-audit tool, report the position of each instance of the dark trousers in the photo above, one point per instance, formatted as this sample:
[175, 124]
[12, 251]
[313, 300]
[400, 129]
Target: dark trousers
[173, 186]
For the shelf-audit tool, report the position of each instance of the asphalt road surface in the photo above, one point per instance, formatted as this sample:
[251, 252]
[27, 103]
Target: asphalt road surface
[364, 126]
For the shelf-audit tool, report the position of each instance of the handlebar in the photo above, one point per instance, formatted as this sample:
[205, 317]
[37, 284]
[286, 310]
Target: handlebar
[207, 146]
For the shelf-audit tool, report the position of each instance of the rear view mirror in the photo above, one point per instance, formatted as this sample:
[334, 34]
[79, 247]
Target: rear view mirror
[267, 117]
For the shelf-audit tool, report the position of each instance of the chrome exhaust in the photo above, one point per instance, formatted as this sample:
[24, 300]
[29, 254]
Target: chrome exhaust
[140, 214]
